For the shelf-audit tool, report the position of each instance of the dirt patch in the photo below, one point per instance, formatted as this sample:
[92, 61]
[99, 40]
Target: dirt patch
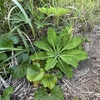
[85, 85]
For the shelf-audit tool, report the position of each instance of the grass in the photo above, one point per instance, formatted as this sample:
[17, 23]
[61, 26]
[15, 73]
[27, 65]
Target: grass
[85, 13]
[22, 18]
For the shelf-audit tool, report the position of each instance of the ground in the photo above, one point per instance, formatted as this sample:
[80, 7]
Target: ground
[85, 85]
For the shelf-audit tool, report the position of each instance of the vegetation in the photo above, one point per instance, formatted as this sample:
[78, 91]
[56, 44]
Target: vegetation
[37, 41]
[6, 93]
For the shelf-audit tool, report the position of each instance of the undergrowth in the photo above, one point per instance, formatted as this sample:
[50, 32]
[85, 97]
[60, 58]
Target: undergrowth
[36, 40]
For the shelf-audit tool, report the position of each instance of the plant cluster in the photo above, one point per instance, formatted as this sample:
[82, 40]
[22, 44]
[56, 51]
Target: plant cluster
[36, 41]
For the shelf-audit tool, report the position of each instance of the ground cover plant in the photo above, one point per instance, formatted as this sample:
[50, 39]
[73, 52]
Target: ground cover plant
[37, 41]
[61, 52]
[6, 93]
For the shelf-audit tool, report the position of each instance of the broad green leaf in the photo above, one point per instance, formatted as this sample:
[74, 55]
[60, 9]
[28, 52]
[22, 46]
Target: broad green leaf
[39, 56]
[45, 40]
[3, 56]
[55, 94]
[51, 53]
[52, 36]
[49, 81]
[50, 63]
[7, 91]
[14, 39]
[65, 68]
[35, 73]
[72, 43]
[5, 42]
[72, 57]
[23, 59]
[19, 71]
[42, 45]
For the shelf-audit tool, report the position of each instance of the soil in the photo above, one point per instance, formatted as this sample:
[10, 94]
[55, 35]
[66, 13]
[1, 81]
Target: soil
[85, 85]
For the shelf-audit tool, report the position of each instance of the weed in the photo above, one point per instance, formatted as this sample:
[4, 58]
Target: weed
[59, 51]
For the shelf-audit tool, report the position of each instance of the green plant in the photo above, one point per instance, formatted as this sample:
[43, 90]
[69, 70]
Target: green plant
[37, 75]
[6, 93]
[54, 11]
[58, 51]
[46, 94]
[55, 54]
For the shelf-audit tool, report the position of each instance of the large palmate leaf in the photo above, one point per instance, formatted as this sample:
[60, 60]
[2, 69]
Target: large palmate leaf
[52, 36]
[55, 94]
[49, 81]
[39, 56]
[72, 57]
[50, 63]
[35, 73]
[72, 43]
[65, 68]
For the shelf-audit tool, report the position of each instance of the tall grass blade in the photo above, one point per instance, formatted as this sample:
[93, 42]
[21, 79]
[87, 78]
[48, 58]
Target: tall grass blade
[25, 15]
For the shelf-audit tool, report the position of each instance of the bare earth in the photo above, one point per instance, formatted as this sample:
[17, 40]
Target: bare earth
[85, 85]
